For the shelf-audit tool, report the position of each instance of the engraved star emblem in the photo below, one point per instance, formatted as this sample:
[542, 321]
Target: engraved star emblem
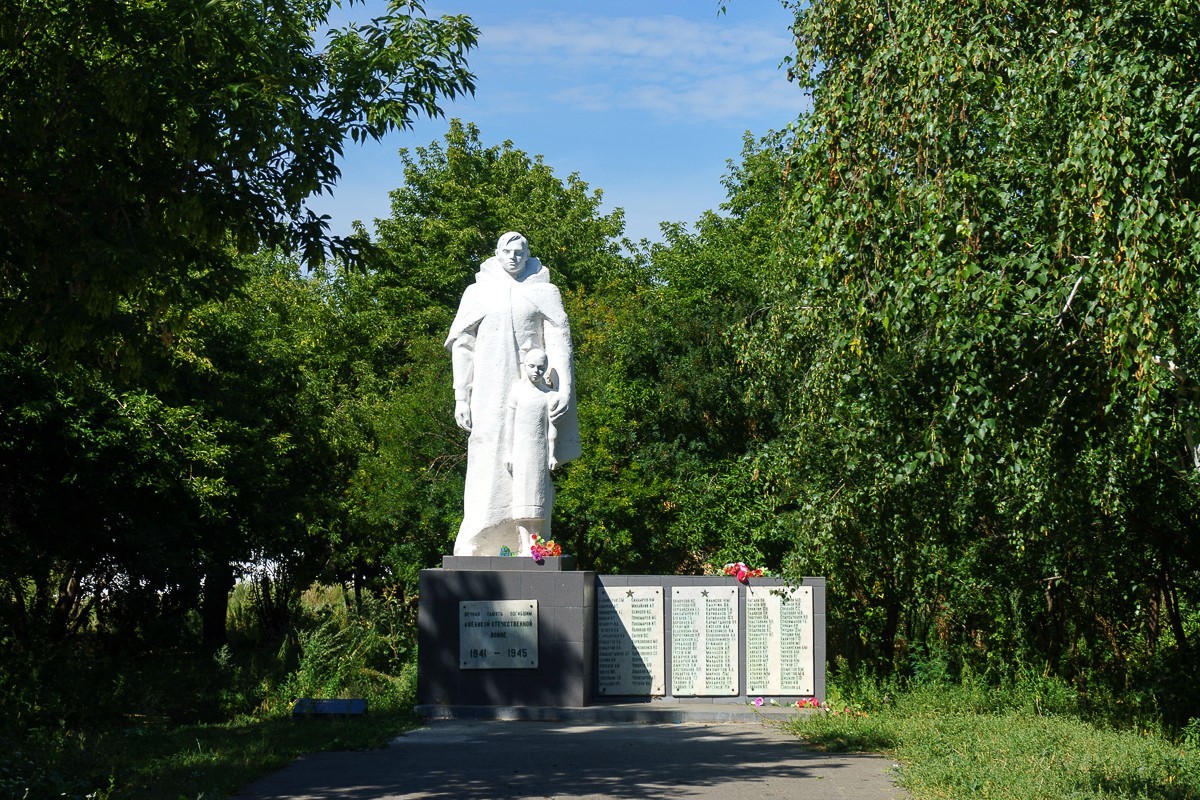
[704, 593]
[629, 593]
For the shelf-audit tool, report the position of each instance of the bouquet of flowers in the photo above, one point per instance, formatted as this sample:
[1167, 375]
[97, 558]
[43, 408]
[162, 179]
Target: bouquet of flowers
[742, 572]
[544, 548]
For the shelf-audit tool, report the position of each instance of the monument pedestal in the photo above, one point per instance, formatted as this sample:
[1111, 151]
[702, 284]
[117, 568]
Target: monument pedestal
[475, 645]
[511, 632]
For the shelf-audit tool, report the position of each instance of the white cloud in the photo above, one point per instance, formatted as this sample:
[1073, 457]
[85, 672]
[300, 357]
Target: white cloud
[673, 68]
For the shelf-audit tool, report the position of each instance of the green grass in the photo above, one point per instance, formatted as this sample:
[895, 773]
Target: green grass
[968, 741]
[153, 759]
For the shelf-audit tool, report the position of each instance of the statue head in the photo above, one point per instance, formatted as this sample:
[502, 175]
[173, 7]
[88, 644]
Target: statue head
[513, 251]
[534, 364]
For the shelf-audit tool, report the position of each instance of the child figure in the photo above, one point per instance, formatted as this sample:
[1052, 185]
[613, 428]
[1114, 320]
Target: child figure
[531, 450]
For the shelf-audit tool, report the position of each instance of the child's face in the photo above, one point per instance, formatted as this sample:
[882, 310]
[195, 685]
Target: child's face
[535, 369]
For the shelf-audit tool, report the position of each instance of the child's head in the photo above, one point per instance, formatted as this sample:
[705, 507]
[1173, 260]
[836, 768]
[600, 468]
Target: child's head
[533, 365]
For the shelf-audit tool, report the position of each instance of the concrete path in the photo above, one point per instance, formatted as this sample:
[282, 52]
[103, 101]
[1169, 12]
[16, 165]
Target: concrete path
[493, 760]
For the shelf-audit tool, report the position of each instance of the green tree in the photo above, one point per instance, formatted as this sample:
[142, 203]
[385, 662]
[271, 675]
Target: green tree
[266, 376]
[981, 350]
[105, 491]
[144, 143]
[665, 483]
[121, 502]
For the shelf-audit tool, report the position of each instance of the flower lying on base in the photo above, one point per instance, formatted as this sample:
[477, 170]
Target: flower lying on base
[825, 708]
[742, 572]
[544, 548]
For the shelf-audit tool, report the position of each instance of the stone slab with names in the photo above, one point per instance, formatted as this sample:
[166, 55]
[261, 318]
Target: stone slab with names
[704, 641]
[629, 641]
[498, 634]
[779, 641]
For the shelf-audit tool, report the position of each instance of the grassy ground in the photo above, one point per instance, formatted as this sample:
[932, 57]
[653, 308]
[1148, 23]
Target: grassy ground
[152, 760]
[98, 718]
[963, 741]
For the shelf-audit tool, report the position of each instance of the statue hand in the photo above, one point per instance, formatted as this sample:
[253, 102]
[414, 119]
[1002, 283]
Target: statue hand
[558, 405]
[462, 414]
[553, 463]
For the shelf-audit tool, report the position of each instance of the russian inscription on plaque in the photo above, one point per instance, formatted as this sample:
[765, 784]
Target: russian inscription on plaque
[498, 634]
[779, 641]
[704, 640]
[629, 646]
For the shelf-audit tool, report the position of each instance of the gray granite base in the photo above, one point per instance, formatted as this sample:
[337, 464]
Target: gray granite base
[566, 636]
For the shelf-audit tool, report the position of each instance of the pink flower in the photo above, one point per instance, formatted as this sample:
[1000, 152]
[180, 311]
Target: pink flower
[742, 572]
[758, 701]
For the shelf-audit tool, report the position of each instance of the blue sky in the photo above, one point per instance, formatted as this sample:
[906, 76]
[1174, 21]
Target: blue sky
[645, 100]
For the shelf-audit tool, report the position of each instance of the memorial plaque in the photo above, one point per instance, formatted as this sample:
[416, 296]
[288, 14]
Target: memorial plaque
[704, 640]
[498, 634]
[779, 641]
[629, 646]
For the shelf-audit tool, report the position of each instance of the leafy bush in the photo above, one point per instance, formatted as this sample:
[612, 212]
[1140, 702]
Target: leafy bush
[365, 652]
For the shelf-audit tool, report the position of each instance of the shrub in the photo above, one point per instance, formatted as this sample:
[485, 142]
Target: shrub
[362, 652]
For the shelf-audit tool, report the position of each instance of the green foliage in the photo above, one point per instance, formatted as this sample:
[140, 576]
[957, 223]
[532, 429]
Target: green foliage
[149, 762]
[171, 407]
[366, 651]
[144, 143]
[148, 759]
[120, 502]
[979, 352]
[79, 457]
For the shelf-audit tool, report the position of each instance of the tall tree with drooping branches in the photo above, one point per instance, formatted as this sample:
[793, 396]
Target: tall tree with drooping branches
[982, 350]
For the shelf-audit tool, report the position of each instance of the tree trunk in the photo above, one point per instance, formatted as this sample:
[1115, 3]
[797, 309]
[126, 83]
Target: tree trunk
[1172, 598]
[218, 582]
[891, 627]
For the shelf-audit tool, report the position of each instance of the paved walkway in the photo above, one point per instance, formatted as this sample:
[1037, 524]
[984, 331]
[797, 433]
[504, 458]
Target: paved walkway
[504, 760]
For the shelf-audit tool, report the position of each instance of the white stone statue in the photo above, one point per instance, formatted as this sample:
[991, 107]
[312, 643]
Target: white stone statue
[509, 313]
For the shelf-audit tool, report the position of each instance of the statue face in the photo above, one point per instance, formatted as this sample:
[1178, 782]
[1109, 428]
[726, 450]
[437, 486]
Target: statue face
[535, 366]
[513, 254]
